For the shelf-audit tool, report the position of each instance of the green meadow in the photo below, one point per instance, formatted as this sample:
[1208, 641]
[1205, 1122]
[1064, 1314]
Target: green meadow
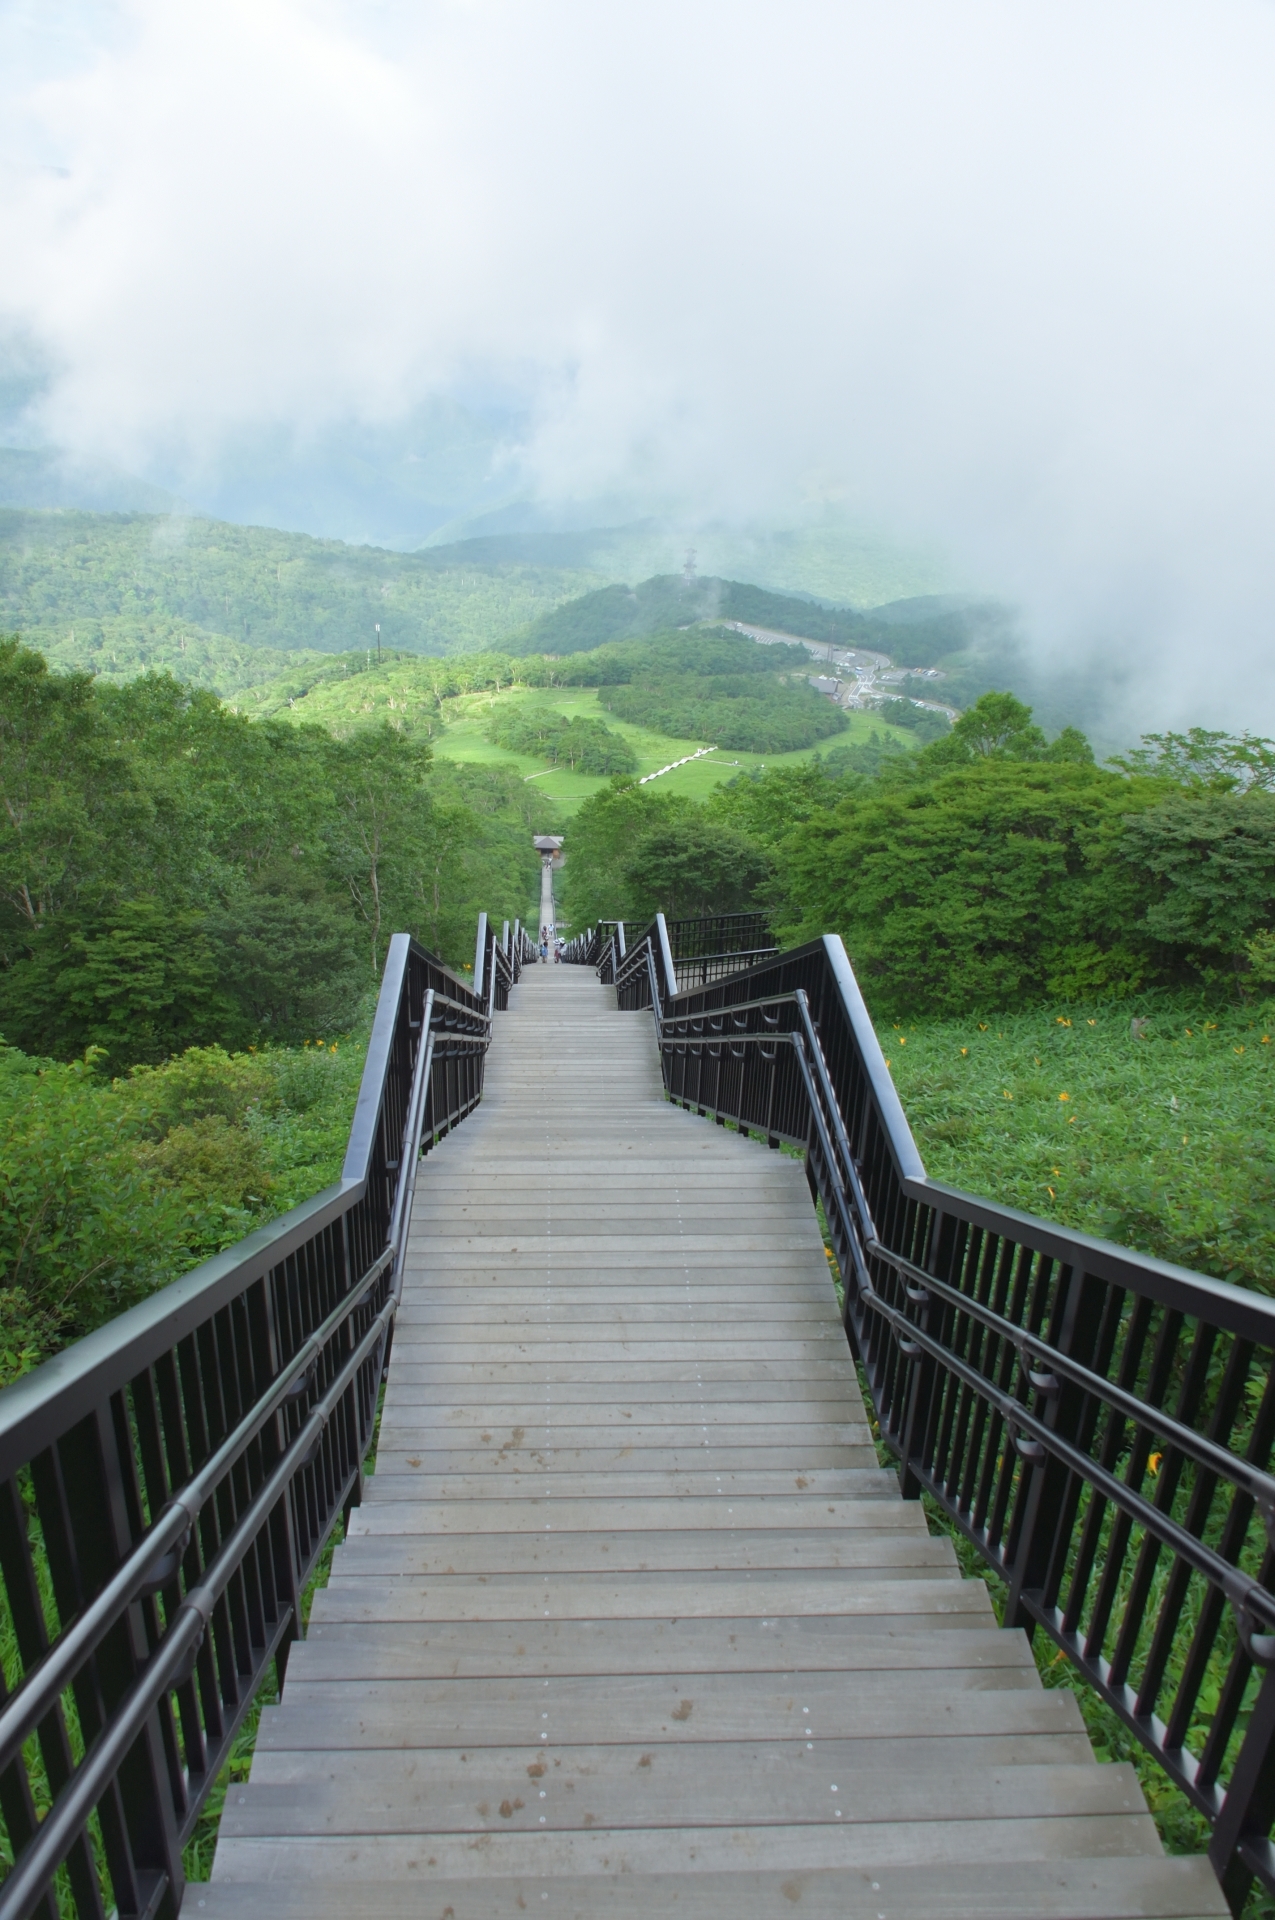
[401, 692]
[1149, 1121]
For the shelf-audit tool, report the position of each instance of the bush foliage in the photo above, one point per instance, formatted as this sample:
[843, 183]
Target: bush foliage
[110, 1188]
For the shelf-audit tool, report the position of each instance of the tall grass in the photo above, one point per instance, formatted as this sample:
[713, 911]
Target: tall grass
[1150, 1122]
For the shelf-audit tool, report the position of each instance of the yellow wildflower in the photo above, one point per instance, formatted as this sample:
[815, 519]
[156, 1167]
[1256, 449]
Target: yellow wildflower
[1064, 1096]
[1153, 1462]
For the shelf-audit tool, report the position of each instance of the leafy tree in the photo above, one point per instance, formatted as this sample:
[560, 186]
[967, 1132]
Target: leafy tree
[1210, 854]
[694, 866]
[599, 846]
[381, 822]
[1204, 758]
[578, 743]
[993, 885]
[295, 960]
[767, 805]
[68, 805]
[997, 726]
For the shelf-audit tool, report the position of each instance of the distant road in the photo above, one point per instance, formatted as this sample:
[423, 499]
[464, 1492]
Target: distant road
[869, 669]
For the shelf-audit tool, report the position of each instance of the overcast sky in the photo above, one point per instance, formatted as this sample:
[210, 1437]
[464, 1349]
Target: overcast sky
[989, 274]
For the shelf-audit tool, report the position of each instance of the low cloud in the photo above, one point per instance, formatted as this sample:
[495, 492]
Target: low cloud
[992, 276]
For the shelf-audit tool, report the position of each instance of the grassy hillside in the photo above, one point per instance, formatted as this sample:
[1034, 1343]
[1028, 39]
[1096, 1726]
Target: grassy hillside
[453, 704]
[223, 606]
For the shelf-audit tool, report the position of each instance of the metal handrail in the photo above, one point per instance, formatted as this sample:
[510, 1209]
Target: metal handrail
[1099, 1424]
[167, 1484]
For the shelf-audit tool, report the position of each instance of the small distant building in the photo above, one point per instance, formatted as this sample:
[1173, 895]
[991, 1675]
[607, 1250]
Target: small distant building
[549, 847]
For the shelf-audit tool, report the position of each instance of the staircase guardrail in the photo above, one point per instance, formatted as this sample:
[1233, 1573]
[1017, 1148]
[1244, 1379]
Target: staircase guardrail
[688, 952]
[1097, 1423]
[169, 1482]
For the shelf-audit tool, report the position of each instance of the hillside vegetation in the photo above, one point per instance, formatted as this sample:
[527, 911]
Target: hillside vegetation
[917, 632]
[112, 1187]
[707, 684]
[172, 874]
[222, 606]
[1149, 1122]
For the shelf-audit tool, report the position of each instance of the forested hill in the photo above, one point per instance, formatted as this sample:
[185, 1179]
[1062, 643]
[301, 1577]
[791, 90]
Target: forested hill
[916, 633]
[226, 606]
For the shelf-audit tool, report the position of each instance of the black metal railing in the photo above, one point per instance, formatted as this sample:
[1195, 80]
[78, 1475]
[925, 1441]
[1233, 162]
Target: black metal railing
[1098, 1423]
[168, 1483]
[586, 949]
[699, 951]
[499, 959]
[688, 953]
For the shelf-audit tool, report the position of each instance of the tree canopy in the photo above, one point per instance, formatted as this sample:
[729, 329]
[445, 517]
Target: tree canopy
[173, 874]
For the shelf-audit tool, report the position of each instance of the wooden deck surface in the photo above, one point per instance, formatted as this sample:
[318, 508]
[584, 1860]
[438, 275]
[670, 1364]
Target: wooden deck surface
[630, 1621]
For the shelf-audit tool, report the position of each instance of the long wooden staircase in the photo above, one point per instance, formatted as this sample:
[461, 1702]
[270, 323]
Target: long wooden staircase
[630, 1621]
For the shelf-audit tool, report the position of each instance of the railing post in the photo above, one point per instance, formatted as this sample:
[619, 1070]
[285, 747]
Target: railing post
[619, 934]
[480, 955]
[97, 1476]
[916, 1420]
[666, 959]
[1045, 1506]
[1249, 1807]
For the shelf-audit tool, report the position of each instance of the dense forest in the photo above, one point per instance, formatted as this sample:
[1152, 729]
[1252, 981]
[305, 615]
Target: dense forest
[223, 606]
[172, 874]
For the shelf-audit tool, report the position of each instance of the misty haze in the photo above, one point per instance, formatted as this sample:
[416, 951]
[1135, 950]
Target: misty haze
[637, 960]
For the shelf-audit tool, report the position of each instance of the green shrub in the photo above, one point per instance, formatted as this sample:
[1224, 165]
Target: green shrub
[111, 1188]
[586, 746]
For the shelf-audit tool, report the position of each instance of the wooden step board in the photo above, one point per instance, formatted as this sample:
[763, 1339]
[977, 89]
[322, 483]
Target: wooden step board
[630, 1621]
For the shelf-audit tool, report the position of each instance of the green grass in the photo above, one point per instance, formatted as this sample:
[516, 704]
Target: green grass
[1162, 1140]
[399, 690]
[467, 715]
